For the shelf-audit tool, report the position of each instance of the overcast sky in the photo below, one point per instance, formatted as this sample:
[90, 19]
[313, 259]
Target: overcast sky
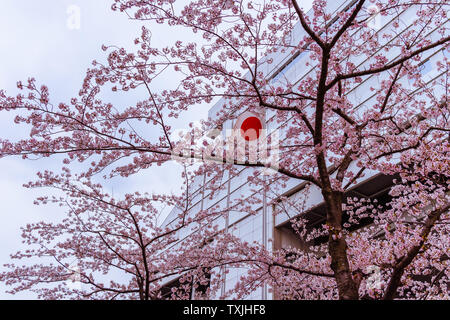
[41, 39]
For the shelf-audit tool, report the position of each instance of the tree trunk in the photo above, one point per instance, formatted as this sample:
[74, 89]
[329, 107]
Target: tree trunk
[337, 247]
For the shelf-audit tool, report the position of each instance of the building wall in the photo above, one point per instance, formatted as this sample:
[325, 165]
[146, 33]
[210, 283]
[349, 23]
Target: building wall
[264, 228]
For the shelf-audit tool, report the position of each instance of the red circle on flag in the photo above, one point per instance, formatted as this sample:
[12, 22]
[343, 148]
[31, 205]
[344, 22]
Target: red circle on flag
[250, 128]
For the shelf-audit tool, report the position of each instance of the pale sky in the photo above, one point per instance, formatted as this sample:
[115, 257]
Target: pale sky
[37, 41]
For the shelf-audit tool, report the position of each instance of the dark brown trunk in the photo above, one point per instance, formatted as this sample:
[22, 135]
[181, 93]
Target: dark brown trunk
[337, 248]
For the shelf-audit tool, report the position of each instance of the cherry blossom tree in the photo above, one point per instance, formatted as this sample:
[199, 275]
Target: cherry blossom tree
[330, 138]
[104, 248]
